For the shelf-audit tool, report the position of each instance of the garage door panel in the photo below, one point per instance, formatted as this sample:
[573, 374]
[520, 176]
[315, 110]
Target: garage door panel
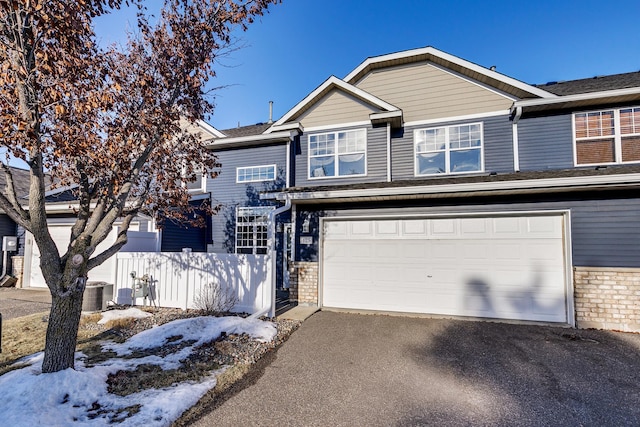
[496, 267]
[61, 235]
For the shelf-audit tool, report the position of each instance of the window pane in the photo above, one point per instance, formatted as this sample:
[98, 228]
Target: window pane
[431, 163]
[631, 149]
[581, 125]
[351, 164]
[465, 160]
[595, 151]
[322, 166]
[197, 184]
[630, 121]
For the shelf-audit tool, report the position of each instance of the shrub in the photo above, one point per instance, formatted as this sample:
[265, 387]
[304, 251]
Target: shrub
[213, 298]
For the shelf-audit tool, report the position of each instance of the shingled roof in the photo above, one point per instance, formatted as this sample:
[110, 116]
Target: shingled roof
[256, 129]
[20, 179]
[593, 84]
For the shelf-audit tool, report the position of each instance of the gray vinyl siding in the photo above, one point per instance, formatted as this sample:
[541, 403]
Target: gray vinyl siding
[376, 159]
[545, 143]
[605, 230]
[497, 140]
[228, 194]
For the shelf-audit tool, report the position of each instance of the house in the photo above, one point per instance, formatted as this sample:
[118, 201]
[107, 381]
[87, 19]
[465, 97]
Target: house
[8, 227]
[424, 183]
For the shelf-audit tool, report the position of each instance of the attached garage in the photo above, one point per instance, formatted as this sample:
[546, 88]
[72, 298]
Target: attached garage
[61, 233]
[512, 267]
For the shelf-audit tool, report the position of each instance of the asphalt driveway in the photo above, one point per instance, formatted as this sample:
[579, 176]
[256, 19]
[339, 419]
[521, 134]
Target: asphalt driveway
[349, 369]
[23, 302]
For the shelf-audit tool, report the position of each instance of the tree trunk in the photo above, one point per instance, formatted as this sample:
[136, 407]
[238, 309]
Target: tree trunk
[62, 331]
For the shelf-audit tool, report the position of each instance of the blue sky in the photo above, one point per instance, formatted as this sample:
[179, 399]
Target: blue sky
[300, 43]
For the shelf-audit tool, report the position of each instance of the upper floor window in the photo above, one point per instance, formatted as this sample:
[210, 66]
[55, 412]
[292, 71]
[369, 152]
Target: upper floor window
[608, 136]
[448, 149]
[198, 185]
[338, 154]
[256, 173]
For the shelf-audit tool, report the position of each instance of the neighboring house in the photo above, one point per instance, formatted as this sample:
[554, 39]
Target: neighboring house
[424, 183]
[7, 226]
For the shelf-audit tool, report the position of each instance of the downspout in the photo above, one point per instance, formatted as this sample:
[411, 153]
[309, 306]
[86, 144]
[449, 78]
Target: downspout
[514, 125]
[388, 151]
[272, 251]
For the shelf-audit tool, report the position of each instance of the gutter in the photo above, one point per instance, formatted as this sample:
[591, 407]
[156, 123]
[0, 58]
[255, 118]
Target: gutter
[272, 250]
[590, 96]
[274, 137]
[509, 186]
[516, 145]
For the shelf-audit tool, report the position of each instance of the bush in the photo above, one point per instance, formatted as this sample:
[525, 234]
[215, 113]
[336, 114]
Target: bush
[212, 299]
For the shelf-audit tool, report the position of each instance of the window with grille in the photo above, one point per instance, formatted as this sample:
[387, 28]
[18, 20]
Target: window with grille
[256, 173]
[448, 149]
[338, 154]
[252, 230]
[608, 136]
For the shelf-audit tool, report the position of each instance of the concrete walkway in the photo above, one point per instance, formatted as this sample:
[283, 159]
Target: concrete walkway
[343, 369]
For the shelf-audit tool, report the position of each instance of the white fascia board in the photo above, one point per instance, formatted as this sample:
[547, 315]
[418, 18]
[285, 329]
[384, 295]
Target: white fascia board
[467, 187]
[577, 97]
[63, 207]
[334, 81]
[385, 115]
[213, 131]
[60, 190]
[429, 50]
[458, 118]
[272, 137]
[287, 126]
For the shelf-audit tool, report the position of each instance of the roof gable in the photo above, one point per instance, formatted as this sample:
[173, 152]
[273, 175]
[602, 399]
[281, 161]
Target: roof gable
[361, 97]
[473, 71]
[426, 91]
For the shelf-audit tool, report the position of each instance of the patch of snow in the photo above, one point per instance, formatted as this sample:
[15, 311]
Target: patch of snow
[129, 313]
[79, 397]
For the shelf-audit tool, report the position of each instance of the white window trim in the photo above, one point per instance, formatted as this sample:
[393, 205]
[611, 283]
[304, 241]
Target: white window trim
[255, 180]
[252, 210]
[617, 138]
[447, 150]
[336, 155]
[203, 184]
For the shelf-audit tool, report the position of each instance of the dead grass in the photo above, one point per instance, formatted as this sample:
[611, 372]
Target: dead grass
[24, 336]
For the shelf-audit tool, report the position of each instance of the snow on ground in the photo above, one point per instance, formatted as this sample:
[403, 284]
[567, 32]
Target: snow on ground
[30, 397]
[129, 313]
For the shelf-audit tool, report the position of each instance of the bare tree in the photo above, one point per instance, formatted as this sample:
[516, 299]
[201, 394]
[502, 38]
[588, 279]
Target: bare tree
[106, 122]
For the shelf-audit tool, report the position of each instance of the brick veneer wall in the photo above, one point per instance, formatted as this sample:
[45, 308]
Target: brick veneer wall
[303, 283]
[607, 298]
[17, 268]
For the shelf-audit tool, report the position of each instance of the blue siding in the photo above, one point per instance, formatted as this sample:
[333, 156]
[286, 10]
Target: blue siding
[605, 229]
[545, 143]
[228, 194]
[376, 159]
[176, 236]
[498, 146]
[8, 228]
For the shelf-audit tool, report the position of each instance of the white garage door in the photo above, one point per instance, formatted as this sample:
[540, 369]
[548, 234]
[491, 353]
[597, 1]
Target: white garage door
[61, 235]
[505, 267]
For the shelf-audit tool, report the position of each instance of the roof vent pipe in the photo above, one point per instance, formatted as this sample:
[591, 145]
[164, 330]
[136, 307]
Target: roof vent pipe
[270, 112]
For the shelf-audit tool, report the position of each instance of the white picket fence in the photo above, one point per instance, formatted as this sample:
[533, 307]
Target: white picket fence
[177, 278]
